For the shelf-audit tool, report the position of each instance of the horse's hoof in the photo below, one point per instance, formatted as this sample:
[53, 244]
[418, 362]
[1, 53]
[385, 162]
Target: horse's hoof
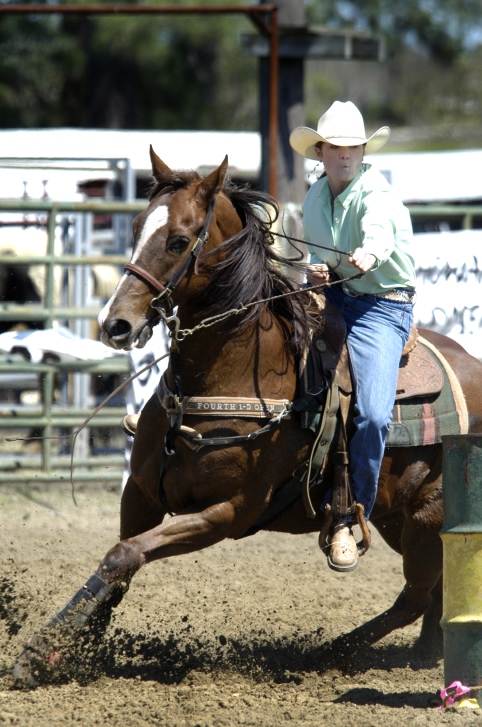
[26, 672]
[36, 663]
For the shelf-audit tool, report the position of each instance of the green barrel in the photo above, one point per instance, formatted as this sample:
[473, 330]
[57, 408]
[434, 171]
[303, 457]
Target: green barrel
[462, 563]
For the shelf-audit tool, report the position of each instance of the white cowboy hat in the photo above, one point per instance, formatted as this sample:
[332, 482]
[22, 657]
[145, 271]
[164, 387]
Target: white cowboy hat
[341, 125]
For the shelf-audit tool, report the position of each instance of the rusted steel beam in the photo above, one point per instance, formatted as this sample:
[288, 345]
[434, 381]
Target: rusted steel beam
[36, 9]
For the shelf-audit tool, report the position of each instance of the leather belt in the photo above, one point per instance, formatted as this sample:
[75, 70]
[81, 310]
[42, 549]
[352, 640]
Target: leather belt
[402, 295]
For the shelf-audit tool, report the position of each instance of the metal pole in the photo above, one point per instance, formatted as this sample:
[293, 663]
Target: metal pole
[462, 570]
[273, 106]
[47, 379]
[49, 271]
[83, 233]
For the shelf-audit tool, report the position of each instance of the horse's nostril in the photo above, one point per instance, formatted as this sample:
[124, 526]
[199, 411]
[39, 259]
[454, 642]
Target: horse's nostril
[117, 328]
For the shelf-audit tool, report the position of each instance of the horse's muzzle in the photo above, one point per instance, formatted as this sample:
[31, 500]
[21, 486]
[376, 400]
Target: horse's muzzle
[119, 334]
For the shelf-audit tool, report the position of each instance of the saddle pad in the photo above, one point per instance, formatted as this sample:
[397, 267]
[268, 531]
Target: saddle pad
[425, 420]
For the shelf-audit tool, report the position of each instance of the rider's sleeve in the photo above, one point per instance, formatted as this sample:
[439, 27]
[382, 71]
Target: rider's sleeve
[378, 226]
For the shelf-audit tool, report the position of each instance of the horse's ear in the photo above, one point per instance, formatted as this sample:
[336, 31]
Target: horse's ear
[214, 182]
[160, 171]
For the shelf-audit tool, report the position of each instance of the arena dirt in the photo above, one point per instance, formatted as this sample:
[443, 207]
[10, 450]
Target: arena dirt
[229, 636]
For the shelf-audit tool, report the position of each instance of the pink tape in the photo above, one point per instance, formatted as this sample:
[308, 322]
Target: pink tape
[451, 693]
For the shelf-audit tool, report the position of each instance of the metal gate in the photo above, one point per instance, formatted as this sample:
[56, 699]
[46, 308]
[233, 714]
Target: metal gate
[65, 396]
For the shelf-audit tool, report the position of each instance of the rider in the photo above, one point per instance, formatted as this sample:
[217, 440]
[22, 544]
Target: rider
[352, 208]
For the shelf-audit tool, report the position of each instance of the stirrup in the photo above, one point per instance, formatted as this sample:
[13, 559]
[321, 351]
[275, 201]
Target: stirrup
[325, 530]
[129, 424]
[362, 545]
[366, 540]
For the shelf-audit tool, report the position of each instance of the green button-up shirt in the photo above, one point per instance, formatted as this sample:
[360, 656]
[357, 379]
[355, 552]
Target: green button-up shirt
[368, 214]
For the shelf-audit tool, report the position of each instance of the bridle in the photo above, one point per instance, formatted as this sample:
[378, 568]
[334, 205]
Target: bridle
[164, 291]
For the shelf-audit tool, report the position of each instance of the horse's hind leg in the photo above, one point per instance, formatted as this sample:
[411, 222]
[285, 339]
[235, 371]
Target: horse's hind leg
[430, 642]
[422, 561]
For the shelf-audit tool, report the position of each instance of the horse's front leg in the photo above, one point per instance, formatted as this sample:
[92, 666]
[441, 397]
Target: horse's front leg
[90, 607]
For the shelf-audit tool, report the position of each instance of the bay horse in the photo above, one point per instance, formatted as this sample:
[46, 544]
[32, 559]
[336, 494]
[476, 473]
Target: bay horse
[206, 246]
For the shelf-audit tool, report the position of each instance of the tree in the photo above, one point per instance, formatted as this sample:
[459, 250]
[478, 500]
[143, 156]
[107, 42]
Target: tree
[429, 76]
[442, 28]
[189, 72]
[167, 72]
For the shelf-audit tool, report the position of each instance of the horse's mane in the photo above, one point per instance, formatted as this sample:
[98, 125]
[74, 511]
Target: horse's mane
[251, 268]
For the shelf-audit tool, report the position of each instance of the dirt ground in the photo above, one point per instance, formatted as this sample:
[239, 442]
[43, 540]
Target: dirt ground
[225, 637]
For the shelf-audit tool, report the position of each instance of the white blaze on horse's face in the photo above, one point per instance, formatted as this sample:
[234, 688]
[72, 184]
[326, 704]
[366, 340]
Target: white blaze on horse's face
[154, 221]
[157, 219]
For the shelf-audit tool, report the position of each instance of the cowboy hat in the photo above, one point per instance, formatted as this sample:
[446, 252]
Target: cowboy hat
[341, 125]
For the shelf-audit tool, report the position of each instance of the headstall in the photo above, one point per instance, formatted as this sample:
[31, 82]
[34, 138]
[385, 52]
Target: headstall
[164, 291]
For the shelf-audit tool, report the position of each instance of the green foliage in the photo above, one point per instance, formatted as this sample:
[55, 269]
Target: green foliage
[431, 78]
[441, 28]
[320, 92]
[145, 71]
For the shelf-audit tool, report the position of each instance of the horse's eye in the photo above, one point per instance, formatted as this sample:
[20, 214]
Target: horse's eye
[177, 245]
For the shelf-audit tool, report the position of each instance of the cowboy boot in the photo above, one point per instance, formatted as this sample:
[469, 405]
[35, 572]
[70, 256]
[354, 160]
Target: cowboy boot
[343, 556]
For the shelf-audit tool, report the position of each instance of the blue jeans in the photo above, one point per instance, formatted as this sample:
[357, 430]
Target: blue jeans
[377, 330]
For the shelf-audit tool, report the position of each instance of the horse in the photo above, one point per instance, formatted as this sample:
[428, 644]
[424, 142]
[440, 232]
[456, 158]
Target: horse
[205, 246]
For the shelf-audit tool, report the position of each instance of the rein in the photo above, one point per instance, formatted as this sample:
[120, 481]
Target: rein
[312, 244]
[175, 408]
[174, 402]
[182, 333]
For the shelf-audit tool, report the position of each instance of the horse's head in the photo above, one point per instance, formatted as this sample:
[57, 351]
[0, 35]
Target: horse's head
[180, 221]
[231, 228]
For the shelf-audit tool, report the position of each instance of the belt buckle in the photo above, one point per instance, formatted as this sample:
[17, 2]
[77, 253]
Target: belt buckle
[401, 296]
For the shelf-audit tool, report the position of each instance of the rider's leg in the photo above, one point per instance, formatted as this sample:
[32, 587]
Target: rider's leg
[377, 330]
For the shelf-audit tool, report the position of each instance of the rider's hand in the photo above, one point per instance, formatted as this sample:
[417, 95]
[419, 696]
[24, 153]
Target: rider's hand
[317, 274]
[362, 260]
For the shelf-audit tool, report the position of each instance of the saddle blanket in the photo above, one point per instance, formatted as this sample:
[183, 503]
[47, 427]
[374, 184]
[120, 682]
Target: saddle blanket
[425, 420]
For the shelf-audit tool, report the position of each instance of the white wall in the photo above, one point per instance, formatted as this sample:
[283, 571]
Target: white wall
[449, 285]
[198, 150]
